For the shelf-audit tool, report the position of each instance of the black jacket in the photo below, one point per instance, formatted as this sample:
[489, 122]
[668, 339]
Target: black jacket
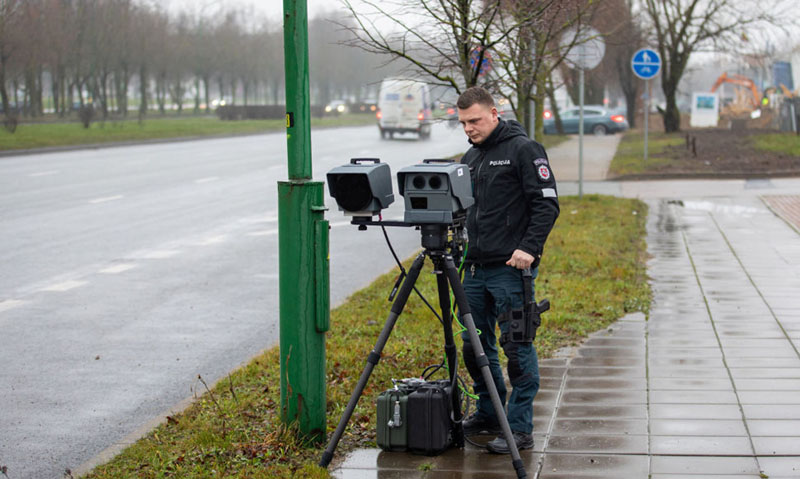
[516, 201]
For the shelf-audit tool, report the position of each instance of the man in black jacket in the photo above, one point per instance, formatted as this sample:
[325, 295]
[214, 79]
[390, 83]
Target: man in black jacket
[516, 205]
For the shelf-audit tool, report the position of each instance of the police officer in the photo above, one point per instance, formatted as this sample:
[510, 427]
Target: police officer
[516, 205]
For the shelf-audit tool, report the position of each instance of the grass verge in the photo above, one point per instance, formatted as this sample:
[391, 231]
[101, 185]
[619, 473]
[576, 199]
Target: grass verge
[593, 273]
[629, 159]
[43, 135]
[788, 143]
[549, 141]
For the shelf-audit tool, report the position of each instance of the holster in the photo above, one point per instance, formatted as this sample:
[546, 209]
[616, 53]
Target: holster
[523, 322]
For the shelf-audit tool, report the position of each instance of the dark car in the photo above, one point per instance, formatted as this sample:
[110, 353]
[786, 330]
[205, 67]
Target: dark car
[596, 120]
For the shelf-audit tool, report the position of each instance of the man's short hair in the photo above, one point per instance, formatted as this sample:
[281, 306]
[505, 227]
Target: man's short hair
[475, 95]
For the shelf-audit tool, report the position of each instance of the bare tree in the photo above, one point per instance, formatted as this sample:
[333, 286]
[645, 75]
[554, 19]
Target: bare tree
[682, 28]
[527, 59]
[623, 45]
[10, 12]
[446, 40]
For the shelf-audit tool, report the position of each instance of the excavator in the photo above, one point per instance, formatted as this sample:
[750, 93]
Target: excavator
[743, 104]
[748, 104]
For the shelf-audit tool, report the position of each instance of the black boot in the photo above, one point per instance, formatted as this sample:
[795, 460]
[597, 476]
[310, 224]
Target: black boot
[499, 445]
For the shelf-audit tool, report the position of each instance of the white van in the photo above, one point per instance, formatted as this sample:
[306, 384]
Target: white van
[404, 106]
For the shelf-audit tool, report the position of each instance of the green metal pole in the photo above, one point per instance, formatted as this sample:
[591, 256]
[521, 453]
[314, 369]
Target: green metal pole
[303, 247]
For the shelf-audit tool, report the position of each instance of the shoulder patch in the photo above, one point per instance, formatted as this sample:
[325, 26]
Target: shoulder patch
[544, 172]
[540, 161]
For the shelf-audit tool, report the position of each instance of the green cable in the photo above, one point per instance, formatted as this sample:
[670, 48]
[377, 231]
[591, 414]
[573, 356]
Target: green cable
[463, 328]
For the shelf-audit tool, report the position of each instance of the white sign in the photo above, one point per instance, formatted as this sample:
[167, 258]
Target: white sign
[586, 48]
[705, 109]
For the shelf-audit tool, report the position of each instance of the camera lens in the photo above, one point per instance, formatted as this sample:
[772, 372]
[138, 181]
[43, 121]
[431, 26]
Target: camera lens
[419, 182]
[353, 192]
[435, 182]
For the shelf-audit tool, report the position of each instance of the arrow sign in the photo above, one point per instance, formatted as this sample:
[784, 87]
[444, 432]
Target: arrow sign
[646, 63]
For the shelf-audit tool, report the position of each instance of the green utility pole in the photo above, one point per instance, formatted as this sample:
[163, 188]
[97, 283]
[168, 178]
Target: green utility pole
[303, 247]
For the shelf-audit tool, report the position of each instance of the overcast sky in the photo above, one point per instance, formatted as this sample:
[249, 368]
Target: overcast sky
[273, 9]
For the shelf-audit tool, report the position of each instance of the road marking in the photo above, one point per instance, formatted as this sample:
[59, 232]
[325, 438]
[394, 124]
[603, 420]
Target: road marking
[119, 268]
[159, 254]
[43, 173]
[65, 286]
[213, 240]
[206, 180]
[7, 304]
[105, 199]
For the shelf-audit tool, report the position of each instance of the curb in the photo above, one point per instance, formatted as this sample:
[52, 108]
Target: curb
[116, 144]
[706, 176]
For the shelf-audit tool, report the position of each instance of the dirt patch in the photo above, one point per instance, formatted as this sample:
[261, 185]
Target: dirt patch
[722, 152]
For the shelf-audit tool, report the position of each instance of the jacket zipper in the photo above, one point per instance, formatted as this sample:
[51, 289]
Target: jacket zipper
[478, 206]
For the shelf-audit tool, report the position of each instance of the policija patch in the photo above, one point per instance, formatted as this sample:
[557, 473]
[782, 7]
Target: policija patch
[544, 172]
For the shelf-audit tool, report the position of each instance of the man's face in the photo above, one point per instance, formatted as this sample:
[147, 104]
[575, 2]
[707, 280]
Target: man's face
[478, 121]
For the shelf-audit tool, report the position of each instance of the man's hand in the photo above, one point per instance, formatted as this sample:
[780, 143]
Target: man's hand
[520, 259]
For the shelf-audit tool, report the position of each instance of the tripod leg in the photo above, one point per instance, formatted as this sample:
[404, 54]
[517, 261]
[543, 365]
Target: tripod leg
[450, 349]
[483, 362]
[374, 356]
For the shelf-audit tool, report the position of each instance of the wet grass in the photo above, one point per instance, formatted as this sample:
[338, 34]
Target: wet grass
[629, 159]
[788, 143]
[54, 134]
[593, 273]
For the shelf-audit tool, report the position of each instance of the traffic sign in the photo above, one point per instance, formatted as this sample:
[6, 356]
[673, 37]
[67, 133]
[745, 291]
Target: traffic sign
[585, 47]
[646, 63]
[486, 62]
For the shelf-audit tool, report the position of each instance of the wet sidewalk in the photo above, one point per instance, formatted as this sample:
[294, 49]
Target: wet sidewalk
[708, 387]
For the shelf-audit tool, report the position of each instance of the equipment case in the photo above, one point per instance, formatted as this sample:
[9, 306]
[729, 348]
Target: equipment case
[430, 427]
[415, 416]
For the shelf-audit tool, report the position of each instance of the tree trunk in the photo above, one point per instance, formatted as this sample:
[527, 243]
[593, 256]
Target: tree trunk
[196, 95]
[672, 116]
[206, 81]
[161, 94]
[143, 91]
[4, 91]
[122, 91]
[101, 92]
[538, 110]
[28, 100]
[38, 87]
[55, 83]
[15, 83]
[551, 94]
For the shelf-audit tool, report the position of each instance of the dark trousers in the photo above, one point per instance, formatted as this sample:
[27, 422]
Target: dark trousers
[492, 291]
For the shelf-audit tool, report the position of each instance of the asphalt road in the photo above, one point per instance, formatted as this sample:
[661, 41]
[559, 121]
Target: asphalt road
[127, 272]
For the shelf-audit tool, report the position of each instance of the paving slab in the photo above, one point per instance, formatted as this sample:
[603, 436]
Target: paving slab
[707, 387]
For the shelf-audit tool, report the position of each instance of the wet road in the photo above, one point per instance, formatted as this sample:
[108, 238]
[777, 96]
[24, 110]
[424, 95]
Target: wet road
[127, 272]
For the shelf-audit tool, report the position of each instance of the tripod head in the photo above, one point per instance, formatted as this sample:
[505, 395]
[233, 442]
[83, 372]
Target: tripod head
[448, 238]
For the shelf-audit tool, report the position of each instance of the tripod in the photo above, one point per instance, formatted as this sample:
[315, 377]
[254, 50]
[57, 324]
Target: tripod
[434, 240]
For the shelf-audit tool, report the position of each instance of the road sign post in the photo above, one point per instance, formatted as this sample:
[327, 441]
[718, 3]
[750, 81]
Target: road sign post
[586, 50]
[303, 247]
[646, 64]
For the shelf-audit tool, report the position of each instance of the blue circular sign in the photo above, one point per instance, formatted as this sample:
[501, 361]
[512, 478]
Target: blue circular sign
[646, 63]
[486, 62]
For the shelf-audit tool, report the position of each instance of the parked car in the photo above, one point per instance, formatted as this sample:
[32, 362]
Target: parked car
[596, 120]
